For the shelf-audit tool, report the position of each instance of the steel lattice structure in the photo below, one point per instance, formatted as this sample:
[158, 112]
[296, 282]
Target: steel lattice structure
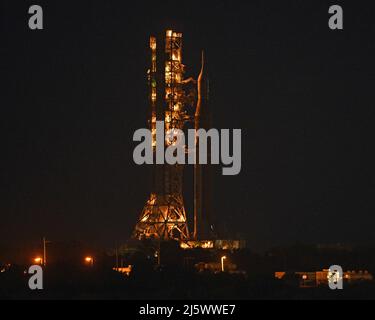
[163, 216]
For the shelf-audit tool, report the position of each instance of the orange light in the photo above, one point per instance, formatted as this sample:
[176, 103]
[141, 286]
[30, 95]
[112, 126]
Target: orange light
[304, 277]
[89, 260]
[38, 260]
[222, 263]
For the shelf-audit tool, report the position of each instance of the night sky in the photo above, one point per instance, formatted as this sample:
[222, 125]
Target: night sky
[73, 94]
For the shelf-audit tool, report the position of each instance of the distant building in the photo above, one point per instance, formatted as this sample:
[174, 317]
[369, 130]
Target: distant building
[320, 278]
[125, 270]
[215, 267]
[214, 244]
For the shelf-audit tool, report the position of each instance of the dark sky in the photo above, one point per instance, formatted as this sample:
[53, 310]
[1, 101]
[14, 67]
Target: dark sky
[73, 94]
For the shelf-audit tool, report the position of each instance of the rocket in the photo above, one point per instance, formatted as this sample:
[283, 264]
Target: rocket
[202, 173]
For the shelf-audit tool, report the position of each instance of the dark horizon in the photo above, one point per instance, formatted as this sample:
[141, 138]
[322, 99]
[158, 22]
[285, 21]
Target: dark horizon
[75, 92]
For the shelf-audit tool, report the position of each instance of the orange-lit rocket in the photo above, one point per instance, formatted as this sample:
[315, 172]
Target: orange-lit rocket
[202, 173]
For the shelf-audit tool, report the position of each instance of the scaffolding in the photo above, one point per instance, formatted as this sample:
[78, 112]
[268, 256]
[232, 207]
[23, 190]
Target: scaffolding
[163, 216]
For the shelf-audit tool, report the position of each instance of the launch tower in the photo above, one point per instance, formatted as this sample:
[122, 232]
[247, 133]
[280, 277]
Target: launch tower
[163, 216]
